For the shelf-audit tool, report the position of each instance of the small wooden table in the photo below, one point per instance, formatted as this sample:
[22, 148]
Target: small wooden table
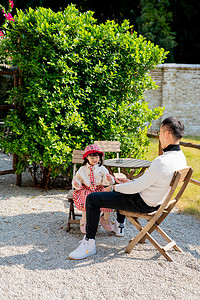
[128, 163]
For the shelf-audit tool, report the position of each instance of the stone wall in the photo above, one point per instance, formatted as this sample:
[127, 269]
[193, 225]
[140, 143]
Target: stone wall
[179, 92]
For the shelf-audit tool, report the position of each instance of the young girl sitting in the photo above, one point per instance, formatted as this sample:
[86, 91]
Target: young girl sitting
[91, 177]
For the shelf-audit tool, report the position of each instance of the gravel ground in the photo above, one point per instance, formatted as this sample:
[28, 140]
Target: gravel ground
[35, 248]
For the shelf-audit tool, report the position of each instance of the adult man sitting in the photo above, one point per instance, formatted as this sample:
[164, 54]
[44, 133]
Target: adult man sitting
[144, 194]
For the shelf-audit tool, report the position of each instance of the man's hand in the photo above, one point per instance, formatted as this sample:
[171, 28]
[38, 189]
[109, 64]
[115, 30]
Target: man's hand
[123, 180]
[117, 180]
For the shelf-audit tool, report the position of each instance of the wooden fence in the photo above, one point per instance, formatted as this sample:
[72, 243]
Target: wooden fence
[184, 144]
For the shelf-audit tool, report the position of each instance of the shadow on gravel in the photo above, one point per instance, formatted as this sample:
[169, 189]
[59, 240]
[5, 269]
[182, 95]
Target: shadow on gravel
[40, 241]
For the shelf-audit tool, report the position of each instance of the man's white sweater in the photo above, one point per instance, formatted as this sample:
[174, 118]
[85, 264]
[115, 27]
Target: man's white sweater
[153, 186]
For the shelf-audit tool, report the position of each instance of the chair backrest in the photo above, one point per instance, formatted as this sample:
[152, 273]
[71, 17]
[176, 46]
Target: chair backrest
[181, 178]
[109, 146]
[77, 158]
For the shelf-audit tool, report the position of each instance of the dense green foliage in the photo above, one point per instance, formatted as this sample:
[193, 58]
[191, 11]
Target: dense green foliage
[184, 22]
[81, 82]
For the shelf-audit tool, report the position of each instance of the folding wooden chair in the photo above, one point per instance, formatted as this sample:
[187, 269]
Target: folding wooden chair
[154, 219]
[77, 158]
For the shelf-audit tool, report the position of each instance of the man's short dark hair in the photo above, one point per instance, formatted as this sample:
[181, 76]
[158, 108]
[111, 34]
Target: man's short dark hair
[175, 126]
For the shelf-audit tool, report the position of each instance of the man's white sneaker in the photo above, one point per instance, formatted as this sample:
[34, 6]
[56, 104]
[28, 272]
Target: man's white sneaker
[118, 228]
[85, 249]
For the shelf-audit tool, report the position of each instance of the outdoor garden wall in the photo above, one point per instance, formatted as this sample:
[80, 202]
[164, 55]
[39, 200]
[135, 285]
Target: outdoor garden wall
[179, 93]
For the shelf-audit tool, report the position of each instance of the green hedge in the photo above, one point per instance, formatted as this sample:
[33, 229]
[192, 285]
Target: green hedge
[81, 82]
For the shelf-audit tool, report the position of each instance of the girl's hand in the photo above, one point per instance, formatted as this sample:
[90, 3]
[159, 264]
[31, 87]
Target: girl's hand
[109, 177]
[76, 185]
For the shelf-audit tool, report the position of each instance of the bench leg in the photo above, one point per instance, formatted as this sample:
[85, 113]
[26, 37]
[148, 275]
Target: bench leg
[68, 227]
[71, 214]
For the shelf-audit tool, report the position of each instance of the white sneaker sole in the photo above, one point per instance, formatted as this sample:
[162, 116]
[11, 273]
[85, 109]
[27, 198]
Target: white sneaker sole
[83, 257]
[118, 234]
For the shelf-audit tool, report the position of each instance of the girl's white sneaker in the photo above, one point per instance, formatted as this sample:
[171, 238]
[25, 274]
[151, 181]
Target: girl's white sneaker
[86, 248]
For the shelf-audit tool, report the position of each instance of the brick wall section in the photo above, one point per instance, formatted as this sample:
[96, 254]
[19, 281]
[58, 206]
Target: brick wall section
[179, 92]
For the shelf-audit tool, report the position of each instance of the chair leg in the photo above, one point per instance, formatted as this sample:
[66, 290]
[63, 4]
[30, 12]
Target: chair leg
[162, 233]
[68, 227]
[137, 239]
[71, 214]
[167, 238]
[72, 209]
[69, 218]
[142, 241]
[159, 248]
[146, 235]
[134, 241]
[162, 217]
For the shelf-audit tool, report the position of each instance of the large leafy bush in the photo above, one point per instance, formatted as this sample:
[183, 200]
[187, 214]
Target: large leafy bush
[81, 82]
